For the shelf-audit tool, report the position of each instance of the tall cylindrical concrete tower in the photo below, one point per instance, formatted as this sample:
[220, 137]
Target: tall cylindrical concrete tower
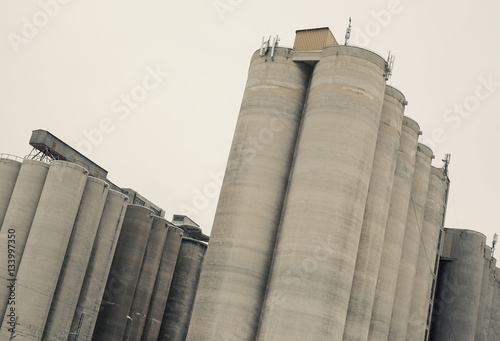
[46, 246]
[428, 255]
[9, 170]
[75, 263]
[183, 291]
[394, 233]
[99, 266]
[375, 217]
[459, 286]
[19, 216]
[323, 213]
[234, 278]
[411, 244]
[146, 282]
[162, 283]
[124, 274]
[494, 323]
[486, 297]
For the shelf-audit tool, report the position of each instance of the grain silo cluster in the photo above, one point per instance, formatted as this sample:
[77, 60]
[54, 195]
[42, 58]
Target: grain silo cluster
[330, 226]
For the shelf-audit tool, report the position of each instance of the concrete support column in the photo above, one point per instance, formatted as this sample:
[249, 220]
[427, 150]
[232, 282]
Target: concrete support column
[9, 170]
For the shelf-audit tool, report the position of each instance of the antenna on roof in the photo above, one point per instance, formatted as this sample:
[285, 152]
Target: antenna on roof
[274, 46]
[495, 240]
[348, 32]
[264, 46]
[446, 160]
[389, 65]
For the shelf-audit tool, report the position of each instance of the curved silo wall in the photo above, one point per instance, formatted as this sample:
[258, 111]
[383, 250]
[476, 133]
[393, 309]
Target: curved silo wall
[459, 286]
[313, 266]
[162, 283]
[99, 265]
[486, 297]
[46, 246]
[485, 327]
[146, 282]
[394, 234]
[75, 263]
[233, 281]
[375, 217]
[182, 291]
[9, 170]
[494, 320]
[19, 216]
[428, 254]
[411, 244]
[124, 274]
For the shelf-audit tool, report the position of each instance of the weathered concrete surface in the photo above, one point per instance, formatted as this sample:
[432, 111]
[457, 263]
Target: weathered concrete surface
[323, 213]
[46, 246]
[411, 244]
[428, 254]
[494, 323]
[9, 170]
[162, 283]
[375, 217]
[394, 234]
[235, 275]
[19, 216]
[459, 287]
[487, 322]
[485, 301]
[99, 265]
[72, 274]
[124, 274]
[183, 291]
[146, 282]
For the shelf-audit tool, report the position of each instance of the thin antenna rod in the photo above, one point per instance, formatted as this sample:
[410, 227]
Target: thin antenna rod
[348, 32]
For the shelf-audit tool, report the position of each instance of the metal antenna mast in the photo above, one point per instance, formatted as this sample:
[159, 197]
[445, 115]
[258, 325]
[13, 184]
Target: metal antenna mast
[348, 32]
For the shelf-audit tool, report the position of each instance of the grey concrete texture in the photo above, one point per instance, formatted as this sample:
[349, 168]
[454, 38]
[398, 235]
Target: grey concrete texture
[19, 216]
[459, 287]
[323, 213]
[146, 282]
[98, 267]
[69, 285]
[485, 300]
[411, 244]
[375, 217]
[182, 291]
[46, 246]
[428, 254]
[162, 283]
[235, 275]
[124, 274]
[9, 170]
[394, 233]
[494, 323]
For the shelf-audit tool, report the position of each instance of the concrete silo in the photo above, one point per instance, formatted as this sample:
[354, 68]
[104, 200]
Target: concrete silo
[182, 291]
[411, 244]
[486, 298]
[75, 263]
[323, 212]
[19, 216]
[146, 282]
[46, 246]
[9, 169]
[235, 275]
[428, 255]
[99, 265]
[459, 286]
[375, 217]
[124, 274]
[494, 323]
[162, 283]
[394, 234]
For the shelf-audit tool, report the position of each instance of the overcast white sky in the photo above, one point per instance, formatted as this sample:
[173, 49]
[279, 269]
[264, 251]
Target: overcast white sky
[70, 72]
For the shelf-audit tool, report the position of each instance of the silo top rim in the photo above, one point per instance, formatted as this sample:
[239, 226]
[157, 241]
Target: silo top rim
[457, 231]
[195, 241]
[396, 93]
[312, 29]
[411, 123]
[118, 193]
[426, 150]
